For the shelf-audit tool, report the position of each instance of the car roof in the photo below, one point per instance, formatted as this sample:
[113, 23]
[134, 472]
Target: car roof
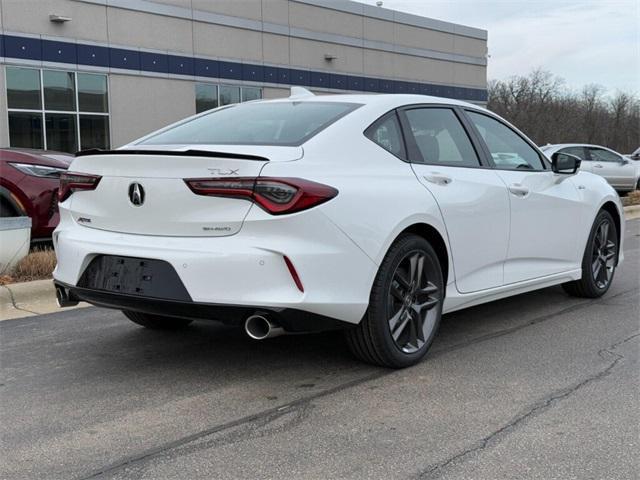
[384, 99]
[374, 104]
[564, 145]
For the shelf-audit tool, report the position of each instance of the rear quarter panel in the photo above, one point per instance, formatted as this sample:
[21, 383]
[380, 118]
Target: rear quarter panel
[379, 195]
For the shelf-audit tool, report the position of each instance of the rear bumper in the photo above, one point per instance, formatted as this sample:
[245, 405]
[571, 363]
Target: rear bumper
[290, 319]
[230, 276]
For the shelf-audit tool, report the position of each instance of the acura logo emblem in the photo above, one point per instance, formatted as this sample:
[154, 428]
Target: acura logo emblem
[136, 194]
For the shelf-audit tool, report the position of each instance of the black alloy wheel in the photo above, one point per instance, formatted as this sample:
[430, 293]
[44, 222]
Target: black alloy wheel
[599, 260]
[405, 306]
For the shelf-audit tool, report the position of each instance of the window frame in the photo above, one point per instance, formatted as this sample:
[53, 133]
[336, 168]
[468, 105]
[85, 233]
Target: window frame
[487, 153]
[414, 154]
[392, 113]
[77, 113]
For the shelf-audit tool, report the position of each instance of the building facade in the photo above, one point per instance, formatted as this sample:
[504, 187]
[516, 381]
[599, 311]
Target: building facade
[78, 74]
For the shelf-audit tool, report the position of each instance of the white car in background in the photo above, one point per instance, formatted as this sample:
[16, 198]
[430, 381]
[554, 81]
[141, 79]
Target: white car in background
[622, 173]
[372, 213]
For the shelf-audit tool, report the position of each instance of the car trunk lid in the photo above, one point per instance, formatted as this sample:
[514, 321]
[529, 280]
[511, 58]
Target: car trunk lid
[163, 203]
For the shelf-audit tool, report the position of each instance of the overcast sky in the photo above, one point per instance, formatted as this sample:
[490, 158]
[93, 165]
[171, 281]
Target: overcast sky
[583, 41]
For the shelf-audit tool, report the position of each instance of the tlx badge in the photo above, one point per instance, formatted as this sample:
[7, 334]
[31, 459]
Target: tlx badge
[223, 172]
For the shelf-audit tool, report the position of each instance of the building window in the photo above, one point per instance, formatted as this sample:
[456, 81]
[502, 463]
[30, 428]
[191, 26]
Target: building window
[251, 93]
[57, 110]
[210, 96]
[229, 95]
[206, 97]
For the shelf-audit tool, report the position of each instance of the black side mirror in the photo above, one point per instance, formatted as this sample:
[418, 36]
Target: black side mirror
[565, 163]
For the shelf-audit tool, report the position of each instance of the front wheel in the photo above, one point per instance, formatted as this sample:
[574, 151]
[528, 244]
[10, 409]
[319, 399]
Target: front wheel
[599, 260]
[156, 322]
[405, 306]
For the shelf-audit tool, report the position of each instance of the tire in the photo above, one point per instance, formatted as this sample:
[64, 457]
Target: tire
[409, 304]
[599, 260]
[157, 322]
[6, 209]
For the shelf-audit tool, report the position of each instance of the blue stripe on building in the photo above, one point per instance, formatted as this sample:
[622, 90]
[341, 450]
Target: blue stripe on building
[29, 48]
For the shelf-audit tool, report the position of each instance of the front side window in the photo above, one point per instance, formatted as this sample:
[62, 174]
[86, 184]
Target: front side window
[279, 123]
[508, 150]
[602, 155]
[577, 151]
[74, 115]
[386, 133]
[440, 138]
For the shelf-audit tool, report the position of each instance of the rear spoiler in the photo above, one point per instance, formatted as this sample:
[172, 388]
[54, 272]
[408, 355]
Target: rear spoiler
[186, 153]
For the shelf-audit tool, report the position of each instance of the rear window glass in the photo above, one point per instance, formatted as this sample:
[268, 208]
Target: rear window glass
[286, 124]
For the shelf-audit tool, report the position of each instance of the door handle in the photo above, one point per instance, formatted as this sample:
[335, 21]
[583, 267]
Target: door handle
[438, 178]
[519, 190]
[597, 165]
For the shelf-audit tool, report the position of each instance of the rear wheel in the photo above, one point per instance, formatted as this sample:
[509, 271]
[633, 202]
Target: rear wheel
[405, 306]
[599, 260]
[157, 322]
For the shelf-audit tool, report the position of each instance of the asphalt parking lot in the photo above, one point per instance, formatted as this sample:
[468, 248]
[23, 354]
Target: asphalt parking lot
[536, 386]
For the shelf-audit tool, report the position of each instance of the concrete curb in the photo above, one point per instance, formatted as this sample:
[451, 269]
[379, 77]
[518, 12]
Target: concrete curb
[28, 298]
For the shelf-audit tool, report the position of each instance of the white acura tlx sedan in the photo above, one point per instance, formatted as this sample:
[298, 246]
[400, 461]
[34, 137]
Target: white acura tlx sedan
[371, 213]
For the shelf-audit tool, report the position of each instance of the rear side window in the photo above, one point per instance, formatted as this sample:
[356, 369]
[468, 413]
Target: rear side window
[440, 138]
[602, 155]
[509, 150]
[386, 133]
[282, 123]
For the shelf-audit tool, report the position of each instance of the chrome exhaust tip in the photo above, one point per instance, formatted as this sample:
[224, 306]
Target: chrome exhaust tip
[261, 327]
[64, 298]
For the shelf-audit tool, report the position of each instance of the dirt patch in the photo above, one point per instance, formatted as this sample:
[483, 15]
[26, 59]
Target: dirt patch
[632, 198]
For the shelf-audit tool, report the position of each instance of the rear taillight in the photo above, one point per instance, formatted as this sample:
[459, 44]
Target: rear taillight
[275, 195]
[72, 182]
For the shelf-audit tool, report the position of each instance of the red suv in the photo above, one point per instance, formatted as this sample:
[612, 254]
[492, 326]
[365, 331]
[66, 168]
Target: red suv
[29, 182]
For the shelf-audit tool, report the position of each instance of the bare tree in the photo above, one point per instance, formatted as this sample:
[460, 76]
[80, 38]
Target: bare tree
[541, 106]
